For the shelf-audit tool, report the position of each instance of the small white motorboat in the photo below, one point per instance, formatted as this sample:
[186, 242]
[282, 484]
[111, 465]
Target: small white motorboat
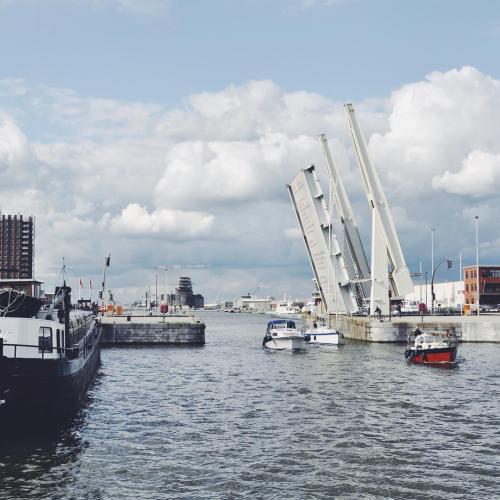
[322, 334]
[282, 334]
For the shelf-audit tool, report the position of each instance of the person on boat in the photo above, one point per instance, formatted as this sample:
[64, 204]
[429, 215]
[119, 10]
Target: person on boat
[378, 312]
[315, 324]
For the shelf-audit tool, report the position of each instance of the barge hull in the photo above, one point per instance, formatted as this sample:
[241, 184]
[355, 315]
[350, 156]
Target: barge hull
[45, 390]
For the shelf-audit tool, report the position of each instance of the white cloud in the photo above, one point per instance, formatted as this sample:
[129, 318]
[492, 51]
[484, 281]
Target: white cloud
[435, 125]
[12, 87]
[478, 176]
[205, 183]
[15, 153]
[137, 7]
[135, 220]
[217, 173]
[144, 7]
[309, 4]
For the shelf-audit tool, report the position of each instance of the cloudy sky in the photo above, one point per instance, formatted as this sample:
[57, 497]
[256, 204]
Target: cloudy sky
[164, 131]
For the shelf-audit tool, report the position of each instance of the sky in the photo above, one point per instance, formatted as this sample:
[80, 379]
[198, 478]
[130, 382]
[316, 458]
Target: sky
[164, 132]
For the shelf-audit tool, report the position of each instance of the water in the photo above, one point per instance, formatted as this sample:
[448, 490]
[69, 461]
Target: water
[231, 419]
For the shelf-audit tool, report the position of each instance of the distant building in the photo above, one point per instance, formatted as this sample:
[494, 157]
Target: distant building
[32, 288]
[489, 285]
[17, 238]
[252, 304]
[184, 295]
[448, 294]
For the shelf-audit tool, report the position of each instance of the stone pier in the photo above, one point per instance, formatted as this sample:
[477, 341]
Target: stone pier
[485, 328]
[143, 330]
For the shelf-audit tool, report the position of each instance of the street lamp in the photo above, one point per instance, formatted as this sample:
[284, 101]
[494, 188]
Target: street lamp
[164, 269]
[433, 295]
[156, 288]
[432, 249]
[477, 265]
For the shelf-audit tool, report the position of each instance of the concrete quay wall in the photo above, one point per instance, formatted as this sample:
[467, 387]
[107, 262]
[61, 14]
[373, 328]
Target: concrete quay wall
[152, 330]
[486, 328]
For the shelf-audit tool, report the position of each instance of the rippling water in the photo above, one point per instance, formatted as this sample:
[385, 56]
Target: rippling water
[231, 419]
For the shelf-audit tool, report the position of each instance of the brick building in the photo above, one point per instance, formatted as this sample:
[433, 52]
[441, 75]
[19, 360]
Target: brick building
[17, 236]
[489, 285]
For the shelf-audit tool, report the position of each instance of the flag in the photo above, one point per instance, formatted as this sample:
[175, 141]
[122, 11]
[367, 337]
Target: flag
[90, 284]
[81, 283]
[108, 260]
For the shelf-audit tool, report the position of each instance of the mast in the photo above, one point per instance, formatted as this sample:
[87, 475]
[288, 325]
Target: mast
[102, 294]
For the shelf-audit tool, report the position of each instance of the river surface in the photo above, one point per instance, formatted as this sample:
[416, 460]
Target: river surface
[231, 419]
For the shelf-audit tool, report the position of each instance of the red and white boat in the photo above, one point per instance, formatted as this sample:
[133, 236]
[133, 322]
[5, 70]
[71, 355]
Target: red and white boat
[432, 347]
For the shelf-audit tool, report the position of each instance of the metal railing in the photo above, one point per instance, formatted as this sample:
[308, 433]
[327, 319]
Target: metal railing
[71, 352]
[42, 350]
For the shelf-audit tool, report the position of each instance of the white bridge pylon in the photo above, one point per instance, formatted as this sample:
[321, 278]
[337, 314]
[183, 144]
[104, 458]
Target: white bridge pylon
[354, 280]
[327, 261]
[359, 269]
[387, 260]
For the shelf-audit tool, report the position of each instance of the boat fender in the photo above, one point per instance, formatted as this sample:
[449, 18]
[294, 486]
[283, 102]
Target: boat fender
[307, 338]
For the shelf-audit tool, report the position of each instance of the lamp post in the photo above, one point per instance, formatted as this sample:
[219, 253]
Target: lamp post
[432, 250]
[433, 295]
[156, 288]
[477, 264]
[420, 272]
[164, 269]
[462, 287]
[426, 306]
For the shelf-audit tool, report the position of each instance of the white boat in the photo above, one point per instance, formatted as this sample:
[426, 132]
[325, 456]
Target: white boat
[282, 334]
[285, 309]
[322, 334]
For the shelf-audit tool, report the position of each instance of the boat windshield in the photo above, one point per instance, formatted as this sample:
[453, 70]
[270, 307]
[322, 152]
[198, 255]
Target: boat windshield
[281, 324]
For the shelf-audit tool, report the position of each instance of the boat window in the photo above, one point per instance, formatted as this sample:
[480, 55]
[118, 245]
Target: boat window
[45, 339]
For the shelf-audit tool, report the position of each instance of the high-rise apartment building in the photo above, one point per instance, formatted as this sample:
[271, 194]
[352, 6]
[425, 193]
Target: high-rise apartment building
[17, 243]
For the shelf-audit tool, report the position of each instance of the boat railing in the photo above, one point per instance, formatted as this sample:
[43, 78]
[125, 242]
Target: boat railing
[451, 337]
[42, 350]
[85, 346]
